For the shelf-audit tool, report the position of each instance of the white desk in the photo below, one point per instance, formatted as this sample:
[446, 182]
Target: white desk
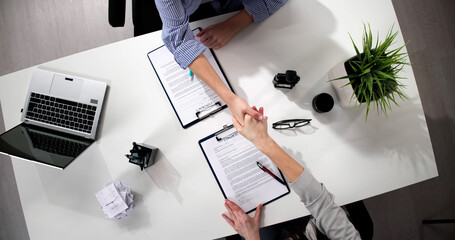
[178, 197]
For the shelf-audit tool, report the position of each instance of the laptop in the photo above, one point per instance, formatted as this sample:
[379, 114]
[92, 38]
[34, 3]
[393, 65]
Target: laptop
[59, 119]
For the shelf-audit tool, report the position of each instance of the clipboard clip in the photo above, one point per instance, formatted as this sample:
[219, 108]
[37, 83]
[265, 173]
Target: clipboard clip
[205, 108]
[225, 128]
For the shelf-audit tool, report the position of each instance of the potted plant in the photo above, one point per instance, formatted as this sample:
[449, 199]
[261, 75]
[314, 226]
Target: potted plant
[371, 76]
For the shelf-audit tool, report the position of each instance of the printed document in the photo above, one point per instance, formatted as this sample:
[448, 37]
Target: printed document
[233, 162]
[188, 94]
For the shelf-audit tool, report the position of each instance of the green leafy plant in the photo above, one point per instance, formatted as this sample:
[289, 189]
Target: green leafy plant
[373, 73]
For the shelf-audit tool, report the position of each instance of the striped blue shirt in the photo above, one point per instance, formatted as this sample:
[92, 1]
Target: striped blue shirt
[177, 35]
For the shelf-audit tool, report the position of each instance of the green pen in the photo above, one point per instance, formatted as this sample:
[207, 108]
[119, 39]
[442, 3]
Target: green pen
[191, 75]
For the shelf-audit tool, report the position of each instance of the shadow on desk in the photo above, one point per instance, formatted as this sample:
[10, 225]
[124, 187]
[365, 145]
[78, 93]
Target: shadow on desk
[74, 188]
[305, 30]
[138, 218]
[389, 135]
[296, 155]
[165, 176]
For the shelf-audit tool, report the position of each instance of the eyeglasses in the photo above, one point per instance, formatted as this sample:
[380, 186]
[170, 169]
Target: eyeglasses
[290, 123]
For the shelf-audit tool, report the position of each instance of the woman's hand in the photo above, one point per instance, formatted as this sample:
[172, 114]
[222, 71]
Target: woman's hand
[254, 130]
[246, 226]
[240, 109]
[217, 35]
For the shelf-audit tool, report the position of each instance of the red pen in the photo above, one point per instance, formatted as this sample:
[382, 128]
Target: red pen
[270, 173]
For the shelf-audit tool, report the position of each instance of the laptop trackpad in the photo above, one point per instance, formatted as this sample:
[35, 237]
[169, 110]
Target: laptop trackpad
[66, 87]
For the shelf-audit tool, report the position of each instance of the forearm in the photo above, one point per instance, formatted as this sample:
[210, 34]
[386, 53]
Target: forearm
[240, 20]
[260, 10]
[202, 68]
[330, 218]
[255, 236]
[291, 168]
[218, 35]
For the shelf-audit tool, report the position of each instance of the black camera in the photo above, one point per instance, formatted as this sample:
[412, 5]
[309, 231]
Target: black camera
[286, 80]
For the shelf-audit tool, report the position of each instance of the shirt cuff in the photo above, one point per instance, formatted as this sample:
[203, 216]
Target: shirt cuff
[189, 50]
[260, 10]
[307, 187]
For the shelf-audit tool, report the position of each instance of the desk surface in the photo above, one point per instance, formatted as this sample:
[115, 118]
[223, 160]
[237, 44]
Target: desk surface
[178, 197]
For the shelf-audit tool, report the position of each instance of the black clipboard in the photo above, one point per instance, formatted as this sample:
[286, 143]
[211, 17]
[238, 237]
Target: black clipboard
[217, 136]
[218, 106]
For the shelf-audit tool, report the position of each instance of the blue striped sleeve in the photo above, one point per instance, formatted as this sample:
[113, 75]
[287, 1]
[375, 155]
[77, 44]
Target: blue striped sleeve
[176, 34]
[261, 9]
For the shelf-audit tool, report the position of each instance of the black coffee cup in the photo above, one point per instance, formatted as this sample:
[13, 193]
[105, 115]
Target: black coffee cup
[323, 103]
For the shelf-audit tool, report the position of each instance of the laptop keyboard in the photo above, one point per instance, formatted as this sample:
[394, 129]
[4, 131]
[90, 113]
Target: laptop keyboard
[61, 112]
[56, 145]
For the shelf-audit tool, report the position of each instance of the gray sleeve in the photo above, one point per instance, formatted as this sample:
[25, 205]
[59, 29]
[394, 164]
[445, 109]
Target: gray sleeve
[330, 218]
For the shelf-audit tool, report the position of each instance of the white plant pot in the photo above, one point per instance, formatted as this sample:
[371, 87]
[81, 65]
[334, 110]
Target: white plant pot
[345, 95]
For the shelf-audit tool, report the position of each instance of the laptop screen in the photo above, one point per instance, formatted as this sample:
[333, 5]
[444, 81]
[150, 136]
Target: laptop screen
[42, 145]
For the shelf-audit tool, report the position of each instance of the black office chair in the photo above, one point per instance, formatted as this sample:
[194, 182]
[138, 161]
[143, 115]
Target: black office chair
[357, 214]
[146, 18]
[438, 221]
[295, 229]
